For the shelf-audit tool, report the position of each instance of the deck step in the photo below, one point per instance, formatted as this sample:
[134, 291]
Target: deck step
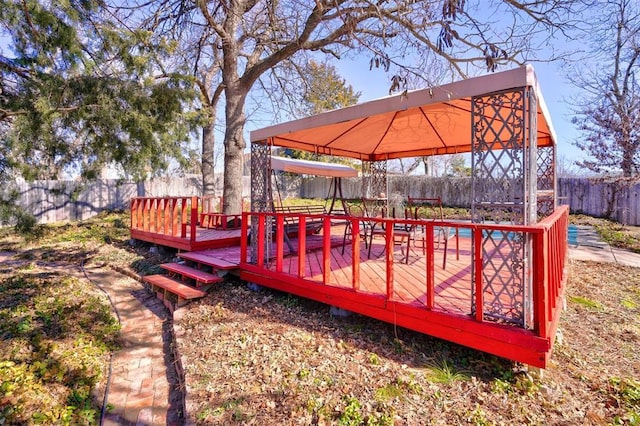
[201, 277]
[208, 260]
[183, 291]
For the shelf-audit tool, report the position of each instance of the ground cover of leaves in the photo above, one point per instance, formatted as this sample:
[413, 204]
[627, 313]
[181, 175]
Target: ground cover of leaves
[57, 332]
[271, 358]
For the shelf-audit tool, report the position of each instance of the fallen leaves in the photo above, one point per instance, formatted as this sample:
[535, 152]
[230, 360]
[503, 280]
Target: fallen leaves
[270, 358]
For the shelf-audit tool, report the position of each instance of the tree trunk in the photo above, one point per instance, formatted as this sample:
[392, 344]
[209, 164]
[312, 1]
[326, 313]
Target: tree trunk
[234, 145]
[627, 157]
[208, 163]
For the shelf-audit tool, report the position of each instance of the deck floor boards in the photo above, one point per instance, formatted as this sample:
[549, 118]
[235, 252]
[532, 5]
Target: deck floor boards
[452, 285]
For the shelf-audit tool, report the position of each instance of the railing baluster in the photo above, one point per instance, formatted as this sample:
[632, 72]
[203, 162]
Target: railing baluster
[147, 208]
[302, 246]
[260, 240]
[167, 216]
[193, 220]
[139, 212]
[175, 216]
[389, 259]
[326, 249]
[279, 242]
[430, 266]
[244, 228]
[183, 217]
[541, 293]
[154, 214]
[477, 251]
[355, 253]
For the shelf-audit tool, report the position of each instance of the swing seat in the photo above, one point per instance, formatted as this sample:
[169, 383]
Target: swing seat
[313, 224]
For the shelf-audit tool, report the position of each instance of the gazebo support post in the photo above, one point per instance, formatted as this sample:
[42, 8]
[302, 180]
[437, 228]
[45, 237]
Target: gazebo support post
[374, 178]
[504, 190]
[547, 181]
[261, 196]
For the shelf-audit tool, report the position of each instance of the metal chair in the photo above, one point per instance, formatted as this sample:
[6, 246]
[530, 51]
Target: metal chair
[354, 211]
[430, 209]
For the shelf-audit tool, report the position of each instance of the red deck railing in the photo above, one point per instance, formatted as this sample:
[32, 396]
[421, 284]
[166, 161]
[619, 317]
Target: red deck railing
[549, 271]
[167, 216]
[548, 258]
[178, 217]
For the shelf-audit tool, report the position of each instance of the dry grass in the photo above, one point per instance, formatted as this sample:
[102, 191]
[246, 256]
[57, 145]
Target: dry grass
[271, 358]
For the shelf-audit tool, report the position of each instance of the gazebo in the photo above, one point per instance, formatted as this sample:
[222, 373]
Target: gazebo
[502, 295]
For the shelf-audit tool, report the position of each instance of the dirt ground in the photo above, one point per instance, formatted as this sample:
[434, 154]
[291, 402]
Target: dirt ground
[271, 358]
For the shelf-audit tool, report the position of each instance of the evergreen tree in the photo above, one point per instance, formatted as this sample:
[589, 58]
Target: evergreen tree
[326, 90]
[79, 91]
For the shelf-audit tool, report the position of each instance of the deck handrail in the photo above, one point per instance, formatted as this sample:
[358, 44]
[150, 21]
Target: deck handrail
[169, 216]
[550, 275]
[549, 247]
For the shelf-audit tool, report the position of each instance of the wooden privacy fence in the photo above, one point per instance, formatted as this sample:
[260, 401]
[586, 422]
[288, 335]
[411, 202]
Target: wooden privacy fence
[69, 200]
[620, 203]
[57, 201]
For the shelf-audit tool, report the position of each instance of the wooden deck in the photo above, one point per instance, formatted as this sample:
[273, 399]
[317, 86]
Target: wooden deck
[452, 284]
[454, 303]
[470, 299]
[175, 222]
[204, 239]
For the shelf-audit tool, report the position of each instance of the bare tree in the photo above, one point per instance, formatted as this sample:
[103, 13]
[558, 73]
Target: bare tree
[251, 42]
[608, 110]
[566, 168]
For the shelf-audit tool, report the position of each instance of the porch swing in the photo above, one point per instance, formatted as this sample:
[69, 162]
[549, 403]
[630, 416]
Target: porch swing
[307, 167]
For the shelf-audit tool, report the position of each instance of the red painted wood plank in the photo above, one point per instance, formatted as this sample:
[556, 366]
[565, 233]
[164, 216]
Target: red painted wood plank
[302, 249]
[196, 274]
[279, 242]
[510, 342]
[207, 259]
[175, 217]
[314, 265]
[355, 250]
[430, 268]
[479, 300]
[173, 286]
[341, 270]
[193, 218]
[326, 250]
[244, 226]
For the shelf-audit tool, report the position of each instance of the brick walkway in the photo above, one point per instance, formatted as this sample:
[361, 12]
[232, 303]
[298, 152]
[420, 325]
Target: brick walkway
[144, 384]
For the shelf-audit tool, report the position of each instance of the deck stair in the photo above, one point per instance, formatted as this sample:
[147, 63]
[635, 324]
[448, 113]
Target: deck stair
[189, 279]
[185, 273]
[171, 291]
[202, 259]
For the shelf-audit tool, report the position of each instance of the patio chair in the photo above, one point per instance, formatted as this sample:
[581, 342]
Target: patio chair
[354, 211]
[401, 232]
[430, 209]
